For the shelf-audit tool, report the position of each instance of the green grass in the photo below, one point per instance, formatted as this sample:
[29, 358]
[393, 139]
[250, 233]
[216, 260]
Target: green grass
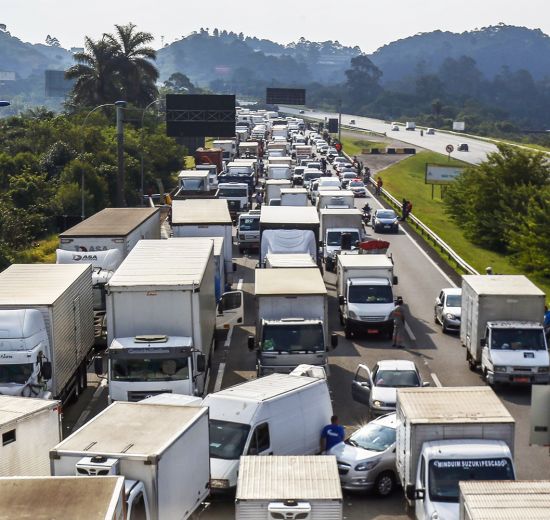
[354, 146]
[406, 180]
[43, 251]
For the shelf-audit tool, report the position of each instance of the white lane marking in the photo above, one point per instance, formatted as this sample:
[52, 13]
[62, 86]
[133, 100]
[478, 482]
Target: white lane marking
[410, 332]
[84, 415]
[229, 335]
[240, 285]
[219, 377]
[436, 380]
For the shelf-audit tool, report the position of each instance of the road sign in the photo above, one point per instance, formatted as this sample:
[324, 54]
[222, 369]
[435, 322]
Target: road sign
[285, 96]
[441, 174]
[450, 148]
[333, 126]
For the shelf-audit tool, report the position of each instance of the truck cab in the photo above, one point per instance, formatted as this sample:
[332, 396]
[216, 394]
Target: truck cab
[237, 196]
[338, 240]
[248, 230]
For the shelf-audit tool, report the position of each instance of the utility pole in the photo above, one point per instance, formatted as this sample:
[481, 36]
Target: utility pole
[120, 199]
[339, 120]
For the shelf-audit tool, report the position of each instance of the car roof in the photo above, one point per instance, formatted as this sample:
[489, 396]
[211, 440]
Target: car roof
[396, 364]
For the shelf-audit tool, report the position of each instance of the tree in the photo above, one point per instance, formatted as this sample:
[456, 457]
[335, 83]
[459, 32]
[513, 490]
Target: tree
[461, 77]
[179, 83]
[52, 41]
[363, 80]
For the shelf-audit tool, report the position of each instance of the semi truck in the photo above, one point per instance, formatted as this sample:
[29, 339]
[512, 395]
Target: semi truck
[161, 319]
[501, 328]
[446, 435]
[341, 229]
[291, 320]
[47, 323]
[160, 450]
[365, 293]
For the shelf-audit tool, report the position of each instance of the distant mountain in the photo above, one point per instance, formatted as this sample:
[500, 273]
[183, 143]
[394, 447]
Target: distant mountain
[491, 47]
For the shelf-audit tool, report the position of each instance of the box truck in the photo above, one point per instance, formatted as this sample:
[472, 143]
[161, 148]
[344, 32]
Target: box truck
[194, 184]
[273, 188]
[289, 487]
[48, 498]
[248, 230]
[47, 323]
[293, 197]
[161, 319]
[445, 435]
[228, 148]
[213, 155]
[29, 428]
[280, 414]
[237, 196]
[365, 293]
[341, 229]
[335, 199]
[291, 320]
[501, 328]
[161, 450]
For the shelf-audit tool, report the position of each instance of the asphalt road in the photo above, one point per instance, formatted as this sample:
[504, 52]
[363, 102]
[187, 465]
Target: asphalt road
[478, 149]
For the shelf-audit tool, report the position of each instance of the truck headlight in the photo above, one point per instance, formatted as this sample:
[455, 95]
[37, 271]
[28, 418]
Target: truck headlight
[367, 466]
[377, 404]
[500, 369]
[543, 370]
[353, 315]
[435, 516]
[217, 483]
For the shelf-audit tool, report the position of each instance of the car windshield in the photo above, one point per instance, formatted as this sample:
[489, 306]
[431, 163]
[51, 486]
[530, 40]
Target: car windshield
[386, 214]
[454, 300]
[315, 165]
[293, 338]
[349, 175]
[18, 374]
[444, 475]
[155, 369]
[373, 437]
[370, 294]
[227, 439]
[357, 184]
[249, 224]
[334, 238]
[396, 378]
[312, 175]
[232, 192]
[517, 339]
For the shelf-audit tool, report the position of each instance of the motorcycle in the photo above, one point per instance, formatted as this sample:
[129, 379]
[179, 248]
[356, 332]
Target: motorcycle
[367, 214]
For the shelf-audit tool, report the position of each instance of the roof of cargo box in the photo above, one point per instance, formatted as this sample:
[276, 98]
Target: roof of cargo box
[308, 477]
[294, 191]
[507, 499]
[38, 284]
[16, 408]
[200, 211]
[111, 222]
[289, 215]
[285, 281]
[472, 404]
[510, 284]
[44, 498]
[343, 211]
[178, 261]
[191, 174]
[364, 260]
[290, 260]
[138, 429]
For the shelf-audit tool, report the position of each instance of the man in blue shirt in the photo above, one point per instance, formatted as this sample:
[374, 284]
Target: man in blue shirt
[331, 434]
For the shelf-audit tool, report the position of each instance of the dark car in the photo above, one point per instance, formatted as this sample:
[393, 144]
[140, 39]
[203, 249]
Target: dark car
[462, 147]
[385, 220]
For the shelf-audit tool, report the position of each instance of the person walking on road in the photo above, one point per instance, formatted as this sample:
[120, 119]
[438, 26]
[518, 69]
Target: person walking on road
[404, 207]
[398, 315]
[259, 199]
[332, 434]
[379, 184]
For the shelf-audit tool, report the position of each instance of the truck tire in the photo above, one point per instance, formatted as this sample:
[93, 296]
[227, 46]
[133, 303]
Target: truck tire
[341, 316]
[347, 330]
[385, 484]
[471, 362]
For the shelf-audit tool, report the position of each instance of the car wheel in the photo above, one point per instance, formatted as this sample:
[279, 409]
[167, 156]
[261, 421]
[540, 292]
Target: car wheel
[444, 328]
[385, 484]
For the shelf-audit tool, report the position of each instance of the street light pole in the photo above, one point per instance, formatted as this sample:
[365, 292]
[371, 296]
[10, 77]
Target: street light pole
[339, 120]
[142, 171]
[121, 202]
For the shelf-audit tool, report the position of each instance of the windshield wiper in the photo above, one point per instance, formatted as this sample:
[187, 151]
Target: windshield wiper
[352, 443]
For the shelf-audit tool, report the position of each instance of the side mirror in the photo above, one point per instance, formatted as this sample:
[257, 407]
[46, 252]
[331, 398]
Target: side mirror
[341, 300]
[46, 370]
[98, 366]
[483, 342]
[251, 342]
[334, 340]
[201, 363]
[412, 493]
[395, 280]
[425, 384]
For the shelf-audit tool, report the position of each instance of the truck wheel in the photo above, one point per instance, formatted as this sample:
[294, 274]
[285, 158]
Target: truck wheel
[341, 316]
[347, 331]
[385, 484]
[471, 362]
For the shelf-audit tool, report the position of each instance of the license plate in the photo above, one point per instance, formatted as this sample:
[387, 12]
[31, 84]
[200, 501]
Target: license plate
[386, 226]
[521, 379]
[372, 331]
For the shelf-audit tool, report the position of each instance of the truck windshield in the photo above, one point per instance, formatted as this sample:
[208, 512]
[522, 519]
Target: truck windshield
[334, 237]
[249, 224]
[370, 294]
[192, 184]
[517, 339]
[227, 439]
[295, 337]
[446, 474]
[18, 374]
[176, 369]
[233, 192]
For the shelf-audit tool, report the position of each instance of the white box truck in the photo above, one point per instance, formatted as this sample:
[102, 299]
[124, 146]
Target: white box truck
[501, 328]
[205, 218]
[500, 500]
[29, 428]
[291, 320]
[194, 184]
[335, 199]
[237, 196]
[248, 230]
[365, 293]
[48, 498]
[445, 435]
[293, 197]
[161, 450]
[280, 414]
[286, 260]
[228, 148]
[289, 487]
[341, 229]
[161, 319]
[273, 188]
[47, 323]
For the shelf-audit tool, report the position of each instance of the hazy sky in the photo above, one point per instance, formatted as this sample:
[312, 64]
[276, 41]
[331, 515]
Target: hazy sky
[369, 24]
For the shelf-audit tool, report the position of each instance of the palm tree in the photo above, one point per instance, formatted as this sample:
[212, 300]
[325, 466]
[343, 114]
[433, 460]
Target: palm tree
[136, 74]
[95, 79]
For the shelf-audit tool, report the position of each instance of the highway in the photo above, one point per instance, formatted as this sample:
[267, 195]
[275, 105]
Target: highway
[477, 153]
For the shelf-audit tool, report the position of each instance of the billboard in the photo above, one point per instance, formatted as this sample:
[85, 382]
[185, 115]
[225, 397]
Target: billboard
[442, 174]
[200, 115]
[333, 126]
[285, 96]
[459, 126]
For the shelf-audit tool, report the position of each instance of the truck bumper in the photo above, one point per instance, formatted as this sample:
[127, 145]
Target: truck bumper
[370, 327]
[517, 378]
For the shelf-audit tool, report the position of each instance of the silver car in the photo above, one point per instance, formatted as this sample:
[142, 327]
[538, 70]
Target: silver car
[448, 309]
[366, 460]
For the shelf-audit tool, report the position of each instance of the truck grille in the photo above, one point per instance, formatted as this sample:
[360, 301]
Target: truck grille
[522, 369]
[373, 319]
[139, 395]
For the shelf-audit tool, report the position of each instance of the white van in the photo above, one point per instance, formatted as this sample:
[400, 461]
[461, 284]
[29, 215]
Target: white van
[280, 414]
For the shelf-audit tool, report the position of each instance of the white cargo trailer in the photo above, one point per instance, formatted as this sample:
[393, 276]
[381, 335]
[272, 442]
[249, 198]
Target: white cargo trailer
[341, 229]
[47, 319]
[289, 487]
[503, 500]
[60, 498]
[293, 197]
[161, 450]
[29, 428]
[298, 260]
[331, 199]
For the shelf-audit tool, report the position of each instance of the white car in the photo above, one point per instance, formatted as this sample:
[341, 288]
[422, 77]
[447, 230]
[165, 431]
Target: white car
[395, 128]
[448, 309]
